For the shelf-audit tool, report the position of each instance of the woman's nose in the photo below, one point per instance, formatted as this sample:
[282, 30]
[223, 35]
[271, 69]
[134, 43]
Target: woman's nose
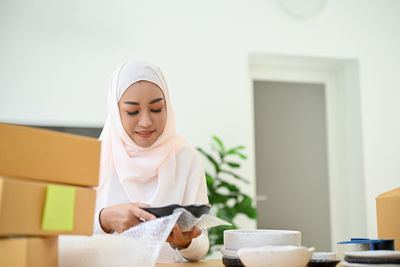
[145, 120]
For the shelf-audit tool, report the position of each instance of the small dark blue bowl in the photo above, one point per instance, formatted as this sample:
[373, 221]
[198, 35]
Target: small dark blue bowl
[376, 244]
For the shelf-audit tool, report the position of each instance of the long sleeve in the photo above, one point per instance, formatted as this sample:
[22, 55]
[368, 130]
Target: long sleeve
[180, 180]
[96, 225]
[196, 193]
[197, 249]
[196, 186]
[96, 220]
[109, 194]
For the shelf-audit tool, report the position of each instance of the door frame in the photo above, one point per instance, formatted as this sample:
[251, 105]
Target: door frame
[344, 132]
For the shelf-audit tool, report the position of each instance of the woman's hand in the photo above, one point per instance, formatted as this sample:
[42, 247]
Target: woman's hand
[182, 239]
[122, 217]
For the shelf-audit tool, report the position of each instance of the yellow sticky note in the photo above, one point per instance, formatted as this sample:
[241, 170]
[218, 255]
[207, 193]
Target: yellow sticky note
[58, 213]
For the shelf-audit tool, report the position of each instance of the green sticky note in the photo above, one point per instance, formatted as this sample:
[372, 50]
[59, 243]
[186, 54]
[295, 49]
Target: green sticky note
[58, 213]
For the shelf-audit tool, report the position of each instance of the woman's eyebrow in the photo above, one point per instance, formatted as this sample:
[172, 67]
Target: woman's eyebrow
[155, 100]
[132, 103]
[138, 104]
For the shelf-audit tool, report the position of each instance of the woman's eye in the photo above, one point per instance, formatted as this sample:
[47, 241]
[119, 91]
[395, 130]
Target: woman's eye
[156, 110]
[133, 112]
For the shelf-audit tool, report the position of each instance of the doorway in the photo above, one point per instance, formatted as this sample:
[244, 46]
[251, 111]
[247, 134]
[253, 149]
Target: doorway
[340, 78]
[291, 160]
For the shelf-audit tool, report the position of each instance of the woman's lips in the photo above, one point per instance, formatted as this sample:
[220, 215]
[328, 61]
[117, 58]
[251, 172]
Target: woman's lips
[145, 134]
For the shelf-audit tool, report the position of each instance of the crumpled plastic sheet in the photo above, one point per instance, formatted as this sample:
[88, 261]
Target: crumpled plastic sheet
[139, 246]
[187, 221]
[152, 235]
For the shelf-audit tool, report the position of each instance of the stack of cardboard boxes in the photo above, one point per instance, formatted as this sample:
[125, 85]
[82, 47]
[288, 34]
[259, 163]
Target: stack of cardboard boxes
[388, 216]
[46, 189]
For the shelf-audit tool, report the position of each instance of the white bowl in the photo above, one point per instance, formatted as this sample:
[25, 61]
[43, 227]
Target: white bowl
[275, 256]
[236, 239]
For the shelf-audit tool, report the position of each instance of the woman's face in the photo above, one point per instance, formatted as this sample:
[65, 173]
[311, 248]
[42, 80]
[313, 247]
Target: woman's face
[143, 112]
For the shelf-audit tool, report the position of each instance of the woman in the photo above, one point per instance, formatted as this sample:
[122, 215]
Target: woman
[144, 162]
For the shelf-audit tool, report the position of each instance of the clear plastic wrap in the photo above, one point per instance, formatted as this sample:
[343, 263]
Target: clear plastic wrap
[139, 246]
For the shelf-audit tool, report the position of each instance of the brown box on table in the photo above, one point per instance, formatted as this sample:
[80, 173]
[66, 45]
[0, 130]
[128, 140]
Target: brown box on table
[388, 215]
[22, 205]
[29, 252]
[32, 153]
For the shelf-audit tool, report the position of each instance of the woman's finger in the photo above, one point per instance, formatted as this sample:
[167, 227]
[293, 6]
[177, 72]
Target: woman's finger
[143, 214]
[141, 204]
[195, 232]
[178, 234]
[172, 235]
[137, 212]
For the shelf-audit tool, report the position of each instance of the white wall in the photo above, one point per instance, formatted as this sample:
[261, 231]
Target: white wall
[56, 58]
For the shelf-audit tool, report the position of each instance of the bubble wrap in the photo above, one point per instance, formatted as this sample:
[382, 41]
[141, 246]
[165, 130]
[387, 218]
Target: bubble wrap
[139, 246]
[155, 232]
[187, 221]
[152, 235]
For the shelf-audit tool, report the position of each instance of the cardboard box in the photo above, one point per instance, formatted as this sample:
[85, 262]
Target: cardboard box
[23, 204]
[29, 252]
[38, 154]
[388, 215]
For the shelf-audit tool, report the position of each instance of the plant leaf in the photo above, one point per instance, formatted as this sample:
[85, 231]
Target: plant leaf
[233, 164]
[209, 179]
[229, 212]
[219, 142]
[210, 184]
[216, 197]
[246, 208]
[234, 150]
[230, 187]
[211, 159]
[223, 214]
[252, 213]
[234, 175]
[242, 156]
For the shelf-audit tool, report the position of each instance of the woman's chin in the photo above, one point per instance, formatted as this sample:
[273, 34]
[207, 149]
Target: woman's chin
[144, 142]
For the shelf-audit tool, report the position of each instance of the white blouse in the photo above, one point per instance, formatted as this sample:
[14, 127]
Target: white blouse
[190, 188]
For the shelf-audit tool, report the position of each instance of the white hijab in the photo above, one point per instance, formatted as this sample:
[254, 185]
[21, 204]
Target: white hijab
[137, 167]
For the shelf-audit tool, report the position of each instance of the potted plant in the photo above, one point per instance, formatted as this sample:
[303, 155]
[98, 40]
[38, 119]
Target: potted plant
[225, 197]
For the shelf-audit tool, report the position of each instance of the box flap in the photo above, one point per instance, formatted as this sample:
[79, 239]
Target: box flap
[49, 156]
[392, 193]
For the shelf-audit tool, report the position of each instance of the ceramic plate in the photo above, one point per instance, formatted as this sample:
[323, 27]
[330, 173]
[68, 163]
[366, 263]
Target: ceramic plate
[322, 263]
[232, 262]
[229, 253]
[196, 210]
[346, 264]
[375, 253]
[323, 256]
[373, 257]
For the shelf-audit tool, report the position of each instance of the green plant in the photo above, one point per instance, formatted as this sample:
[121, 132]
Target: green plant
[226, 198]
